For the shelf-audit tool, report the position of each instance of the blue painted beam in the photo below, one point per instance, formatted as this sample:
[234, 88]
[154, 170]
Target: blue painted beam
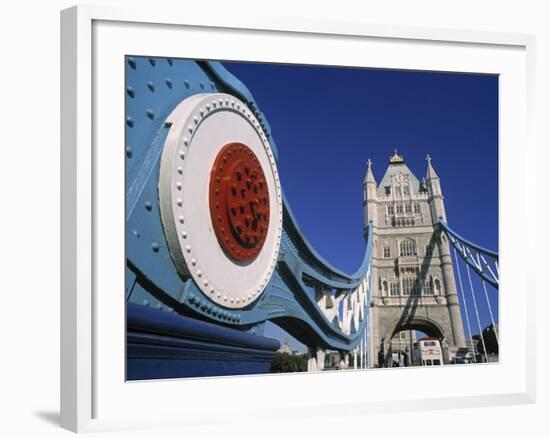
[167, 345]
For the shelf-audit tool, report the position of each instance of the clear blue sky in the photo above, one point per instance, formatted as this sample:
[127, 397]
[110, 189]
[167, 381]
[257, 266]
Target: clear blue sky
[328, 121]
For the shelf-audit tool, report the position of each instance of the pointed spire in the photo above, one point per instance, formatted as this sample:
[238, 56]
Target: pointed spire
[369, 177]
[430, 173]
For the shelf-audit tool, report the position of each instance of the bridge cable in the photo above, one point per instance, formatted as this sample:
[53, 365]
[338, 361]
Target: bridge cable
[463, 296]
[490, 310]
[477, 314]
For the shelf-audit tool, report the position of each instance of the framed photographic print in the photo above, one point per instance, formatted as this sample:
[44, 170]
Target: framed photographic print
[255, 209]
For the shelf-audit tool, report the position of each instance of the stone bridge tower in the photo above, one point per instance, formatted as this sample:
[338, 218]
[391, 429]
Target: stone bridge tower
[413, 282]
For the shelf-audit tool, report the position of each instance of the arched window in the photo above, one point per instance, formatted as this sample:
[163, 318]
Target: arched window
[437, 285]
[428, 287]
[407, 248]
[385, 286]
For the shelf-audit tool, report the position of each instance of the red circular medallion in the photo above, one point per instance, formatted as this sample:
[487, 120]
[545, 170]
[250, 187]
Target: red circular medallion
[239, 201]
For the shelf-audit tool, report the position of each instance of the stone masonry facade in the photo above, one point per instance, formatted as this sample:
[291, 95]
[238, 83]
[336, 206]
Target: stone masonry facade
[413, 281]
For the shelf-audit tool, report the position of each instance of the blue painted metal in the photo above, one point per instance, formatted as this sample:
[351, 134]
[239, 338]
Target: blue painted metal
[166, 345]
[154, 87]
[477, 257]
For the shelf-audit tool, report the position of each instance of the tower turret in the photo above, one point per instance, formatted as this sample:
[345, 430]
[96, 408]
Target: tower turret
[433, 185]
[369, 196]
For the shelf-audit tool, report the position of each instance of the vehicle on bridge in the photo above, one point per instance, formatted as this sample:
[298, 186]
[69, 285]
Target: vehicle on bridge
[426, 352]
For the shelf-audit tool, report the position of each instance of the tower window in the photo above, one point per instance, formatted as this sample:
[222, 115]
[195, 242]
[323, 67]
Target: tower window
[428, 288]
[406, 190]
[387, 252]
[429, 250]
[408, 208]
[417, 208]
[390, 209]
[399, 208]
[387, 190]
[398, 191]
[407, 248]
[410, 286]
[394, 288]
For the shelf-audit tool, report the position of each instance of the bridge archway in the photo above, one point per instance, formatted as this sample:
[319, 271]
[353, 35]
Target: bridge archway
[417, 323]
[422, 324]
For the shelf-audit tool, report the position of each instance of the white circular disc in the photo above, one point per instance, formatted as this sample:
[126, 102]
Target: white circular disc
[201, 126]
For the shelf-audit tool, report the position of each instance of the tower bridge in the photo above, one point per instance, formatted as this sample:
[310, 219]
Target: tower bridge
[214, 250]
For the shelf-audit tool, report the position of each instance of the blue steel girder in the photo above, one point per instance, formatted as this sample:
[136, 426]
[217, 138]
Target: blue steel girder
[478, 258]
[155, 86]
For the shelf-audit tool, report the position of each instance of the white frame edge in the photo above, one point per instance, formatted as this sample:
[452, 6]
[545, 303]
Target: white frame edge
[77, 198]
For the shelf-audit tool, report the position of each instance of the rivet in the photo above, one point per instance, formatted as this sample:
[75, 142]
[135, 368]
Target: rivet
[169, 61]
[212, 85]
[225, 298]
[186, 83]
[211, 290]
[201, 85]
[182, 154]
[188, 248]
[135, 233]
[205, 282]
[128, 151]
[151, 86]
[219, 295]
[190, 129]
[158, 306]
[155, 246]
[179, 201]
[199, 273]
[152, 62]
[132, 63]
[180, 170]
[193, 262]
[185, 141]
[184, 234]
[145, 302]
[130, 91]
[178, 185]
[129, 121]
[148, 206]
[191, 297]
[196, 120]
[181, 220]
[168, 83]
[207, 107]
[150, 114]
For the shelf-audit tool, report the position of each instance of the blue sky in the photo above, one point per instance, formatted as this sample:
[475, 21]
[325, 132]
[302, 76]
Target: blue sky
[328, 121]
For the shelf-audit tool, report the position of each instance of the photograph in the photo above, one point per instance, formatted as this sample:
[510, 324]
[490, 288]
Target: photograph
[287, 218]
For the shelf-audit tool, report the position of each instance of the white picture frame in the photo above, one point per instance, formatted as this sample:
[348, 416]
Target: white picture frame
[93, 397]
